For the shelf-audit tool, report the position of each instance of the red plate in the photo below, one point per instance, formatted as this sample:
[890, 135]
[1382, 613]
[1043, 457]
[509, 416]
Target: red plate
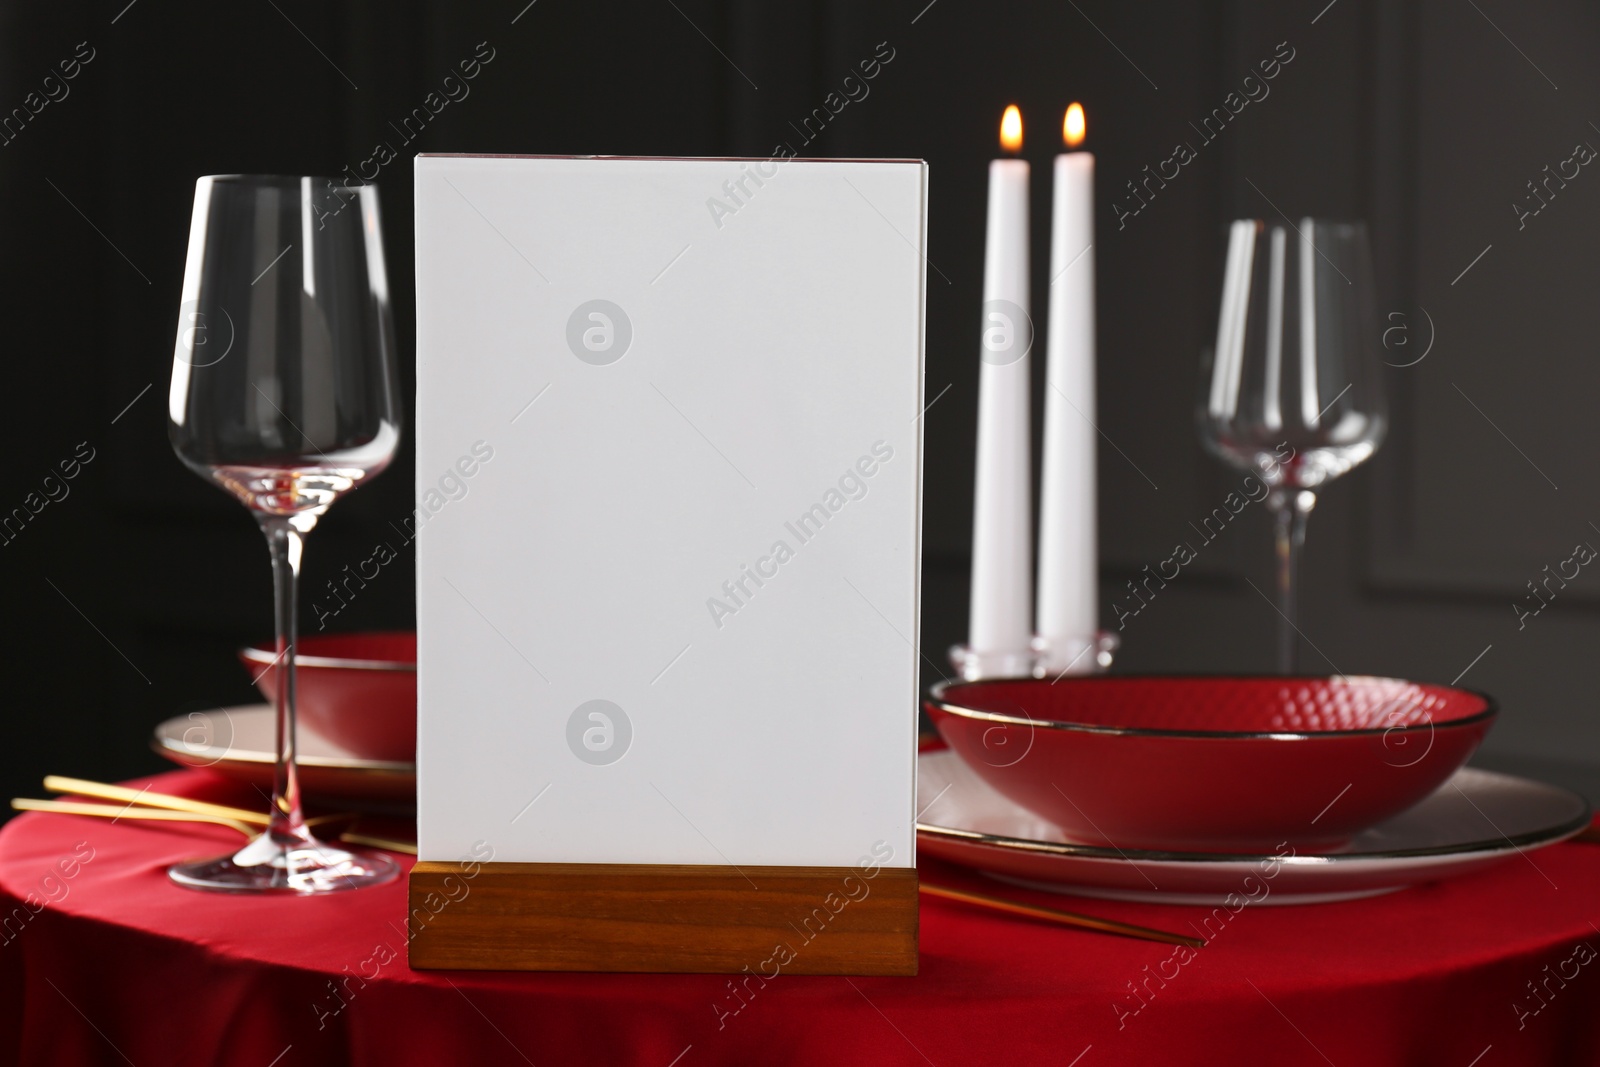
[1223, 764]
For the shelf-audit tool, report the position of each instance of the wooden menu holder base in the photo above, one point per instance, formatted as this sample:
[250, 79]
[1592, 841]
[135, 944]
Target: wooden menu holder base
[655, 917]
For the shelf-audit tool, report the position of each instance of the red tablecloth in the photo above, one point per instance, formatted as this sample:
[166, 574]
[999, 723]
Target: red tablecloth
[118, 966]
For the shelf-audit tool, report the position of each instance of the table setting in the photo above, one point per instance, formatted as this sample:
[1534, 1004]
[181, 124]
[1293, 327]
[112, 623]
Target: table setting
[659, 771]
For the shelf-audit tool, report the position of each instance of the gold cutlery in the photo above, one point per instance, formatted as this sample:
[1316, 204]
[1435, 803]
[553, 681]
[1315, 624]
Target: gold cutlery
[84, 787]
[164, 807]
[142, 804]
[248, 829]
[159, 807]
[1055, 915]
[111, 811]
[55, 783]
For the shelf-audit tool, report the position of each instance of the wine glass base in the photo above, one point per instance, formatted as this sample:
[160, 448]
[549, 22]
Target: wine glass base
[298, 867]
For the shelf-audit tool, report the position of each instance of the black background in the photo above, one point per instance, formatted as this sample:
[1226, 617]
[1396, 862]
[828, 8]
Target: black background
[126, 600]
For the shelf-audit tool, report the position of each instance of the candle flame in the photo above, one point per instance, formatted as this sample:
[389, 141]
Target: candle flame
[1073, 128]
[1011, 129]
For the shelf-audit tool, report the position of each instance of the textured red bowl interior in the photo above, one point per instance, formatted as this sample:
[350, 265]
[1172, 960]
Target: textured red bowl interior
[1228, 705]
[357, 690]
[1231, 764]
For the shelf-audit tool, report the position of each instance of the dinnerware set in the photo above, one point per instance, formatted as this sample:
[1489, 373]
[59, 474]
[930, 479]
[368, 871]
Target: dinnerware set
[1189, 789]
[1165, 789]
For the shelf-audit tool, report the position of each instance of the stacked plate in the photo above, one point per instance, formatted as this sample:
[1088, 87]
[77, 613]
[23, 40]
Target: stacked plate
[1173, 789]
[240, 743]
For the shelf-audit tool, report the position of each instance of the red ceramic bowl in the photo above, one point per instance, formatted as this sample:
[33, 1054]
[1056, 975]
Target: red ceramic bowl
[358, 691]
[1223, 764]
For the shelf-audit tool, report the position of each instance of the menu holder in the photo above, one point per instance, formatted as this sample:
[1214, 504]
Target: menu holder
[668, 542]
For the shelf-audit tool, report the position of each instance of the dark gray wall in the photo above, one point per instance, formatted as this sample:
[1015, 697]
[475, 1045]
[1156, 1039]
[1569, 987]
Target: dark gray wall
[126, 599]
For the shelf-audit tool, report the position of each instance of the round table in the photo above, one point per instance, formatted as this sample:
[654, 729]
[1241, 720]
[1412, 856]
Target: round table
[103, 961]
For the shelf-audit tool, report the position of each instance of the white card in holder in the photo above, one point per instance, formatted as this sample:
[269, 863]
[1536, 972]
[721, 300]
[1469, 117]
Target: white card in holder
[669, 481]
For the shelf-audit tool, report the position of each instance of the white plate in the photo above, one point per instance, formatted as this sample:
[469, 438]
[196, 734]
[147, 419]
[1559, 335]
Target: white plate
[238, 743]
[1476, 819]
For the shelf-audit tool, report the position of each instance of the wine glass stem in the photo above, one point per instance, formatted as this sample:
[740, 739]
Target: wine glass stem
[286, 541]
[1290, 507]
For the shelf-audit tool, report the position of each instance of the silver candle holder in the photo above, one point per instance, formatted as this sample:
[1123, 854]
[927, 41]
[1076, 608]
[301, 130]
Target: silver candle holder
[1045, 658]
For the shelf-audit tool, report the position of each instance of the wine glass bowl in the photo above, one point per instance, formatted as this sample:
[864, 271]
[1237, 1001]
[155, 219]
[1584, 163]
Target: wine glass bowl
[284, 393]
[284, 361]
[1293, 390]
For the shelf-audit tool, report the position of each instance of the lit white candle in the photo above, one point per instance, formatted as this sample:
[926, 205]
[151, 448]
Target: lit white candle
[1001, 630]
[1068, 554]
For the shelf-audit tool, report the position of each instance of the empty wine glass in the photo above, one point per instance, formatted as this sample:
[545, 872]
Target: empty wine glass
[1292, 391]
[284, 394]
